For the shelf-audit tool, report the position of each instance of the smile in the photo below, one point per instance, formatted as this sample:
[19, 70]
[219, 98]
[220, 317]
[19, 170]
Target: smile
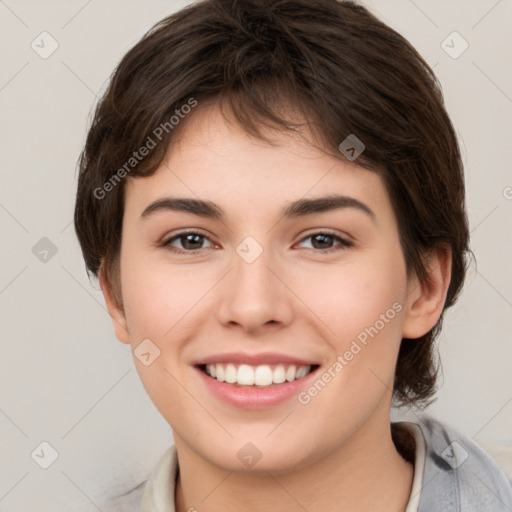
[258, 376]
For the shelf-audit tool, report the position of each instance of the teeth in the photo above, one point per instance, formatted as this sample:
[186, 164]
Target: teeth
[230, 375]
[262, 375]
[301, 372]
[245, 375]
[291, 373]
[278, 375]
[219, 373]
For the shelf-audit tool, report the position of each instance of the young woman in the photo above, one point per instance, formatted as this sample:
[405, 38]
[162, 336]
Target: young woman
[272, 196]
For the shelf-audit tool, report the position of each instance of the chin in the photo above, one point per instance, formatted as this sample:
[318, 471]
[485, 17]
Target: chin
[259, 458]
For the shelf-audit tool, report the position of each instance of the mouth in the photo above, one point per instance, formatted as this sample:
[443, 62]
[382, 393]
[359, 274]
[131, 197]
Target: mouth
[255, 382]
[257, 376]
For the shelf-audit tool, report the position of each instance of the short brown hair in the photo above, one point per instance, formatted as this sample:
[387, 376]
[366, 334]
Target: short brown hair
[337, 65]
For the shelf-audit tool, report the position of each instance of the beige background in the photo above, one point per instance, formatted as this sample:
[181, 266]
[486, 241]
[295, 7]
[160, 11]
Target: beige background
[66, 380]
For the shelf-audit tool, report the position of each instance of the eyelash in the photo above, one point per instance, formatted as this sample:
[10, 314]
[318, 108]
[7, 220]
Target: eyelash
[343, 243]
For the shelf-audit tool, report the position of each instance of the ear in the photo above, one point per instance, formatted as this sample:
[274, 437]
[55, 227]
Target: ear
[115, 309]
[425, 301]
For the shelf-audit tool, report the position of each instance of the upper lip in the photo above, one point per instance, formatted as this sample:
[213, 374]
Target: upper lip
[254, 359]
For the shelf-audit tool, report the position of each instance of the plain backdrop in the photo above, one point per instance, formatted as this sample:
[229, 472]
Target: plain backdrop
[65, 379]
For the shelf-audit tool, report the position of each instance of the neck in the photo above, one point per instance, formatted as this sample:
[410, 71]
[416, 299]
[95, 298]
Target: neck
[366, 473]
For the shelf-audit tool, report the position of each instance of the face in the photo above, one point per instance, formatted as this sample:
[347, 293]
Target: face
[260, 288]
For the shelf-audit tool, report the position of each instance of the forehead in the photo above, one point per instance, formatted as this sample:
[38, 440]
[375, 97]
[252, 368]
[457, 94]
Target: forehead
[213, 158]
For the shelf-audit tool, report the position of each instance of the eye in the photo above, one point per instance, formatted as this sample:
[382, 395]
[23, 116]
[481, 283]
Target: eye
[191, 241]
[322, 241]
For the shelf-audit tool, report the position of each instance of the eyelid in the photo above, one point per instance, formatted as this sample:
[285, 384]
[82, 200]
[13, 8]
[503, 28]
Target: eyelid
[343, 236]
[189, 231]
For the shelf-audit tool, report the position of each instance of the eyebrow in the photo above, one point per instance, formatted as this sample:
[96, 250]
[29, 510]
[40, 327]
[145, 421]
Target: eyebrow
[299, 208]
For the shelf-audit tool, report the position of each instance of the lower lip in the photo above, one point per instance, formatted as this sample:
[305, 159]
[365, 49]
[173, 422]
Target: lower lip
[252, 397]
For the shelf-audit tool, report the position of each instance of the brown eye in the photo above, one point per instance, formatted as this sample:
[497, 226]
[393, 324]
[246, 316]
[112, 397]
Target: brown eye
[190, 241]
[324, 242]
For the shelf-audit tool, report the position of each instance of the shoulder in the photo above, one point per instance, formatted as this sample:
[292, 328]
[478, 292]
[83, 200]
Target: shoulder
[458, 474]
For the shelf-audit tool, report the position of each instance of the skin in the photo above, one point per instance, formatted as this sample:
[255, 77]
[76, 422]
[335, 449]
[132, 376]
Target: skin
[293, 299]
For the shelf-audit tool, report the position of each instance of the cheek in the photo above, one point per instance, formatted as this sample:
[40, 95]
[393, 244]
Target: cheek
[147, 305]
[353, 297]
[361, 304]
[156, 299]
[158, 296]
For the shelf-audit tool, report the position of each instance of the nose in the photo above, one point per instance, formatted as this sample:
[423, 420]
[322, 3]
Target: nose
[254, 295]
